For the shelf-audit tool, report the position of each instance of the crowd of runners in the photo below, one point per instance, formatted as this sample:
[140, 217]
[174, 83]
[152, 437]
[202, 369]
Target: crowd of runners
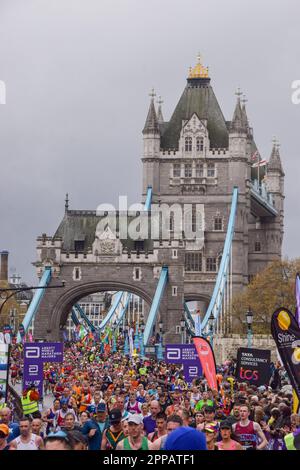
[108, 401]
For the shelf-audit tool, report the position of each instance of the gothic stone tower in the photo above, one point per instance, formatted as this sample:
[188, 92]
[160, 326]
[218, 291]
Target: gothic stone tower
[197, 158]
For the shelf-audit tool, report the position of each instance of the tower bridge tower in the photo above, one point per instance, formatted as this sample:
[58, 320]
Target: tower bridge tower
[192, 163]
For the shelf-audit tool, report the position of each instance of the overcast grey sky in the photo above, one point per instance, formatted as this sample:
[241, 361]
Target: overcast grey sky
[78, 74]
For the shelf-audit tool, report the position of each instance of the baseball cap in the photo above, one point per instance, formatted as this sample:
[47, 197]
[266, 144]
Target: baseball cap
[64, 401]
[101, 408]
[4, 429]
[115, 416]
[225, 424]
[58, 434]
[185, 438]
[135, 418]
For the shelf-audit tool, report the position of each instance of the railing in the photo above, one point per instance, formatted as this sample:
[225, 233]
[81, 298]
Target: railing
[260, 191]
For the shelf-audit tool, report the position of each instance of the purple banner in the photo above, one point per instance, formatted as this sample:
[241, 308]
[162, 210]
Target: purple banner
[35, 355]
[191, 372]
[33, 373]
[43, 352]
[185, 354]
[181, 354]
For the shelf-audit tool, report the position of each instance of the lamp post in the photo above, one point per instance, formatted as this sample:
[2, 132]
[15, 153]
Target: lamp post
[126, 343]
[8, 293]
[142, 348]
[182, 328]
[160, 356]
[249, 320]
[211, 322]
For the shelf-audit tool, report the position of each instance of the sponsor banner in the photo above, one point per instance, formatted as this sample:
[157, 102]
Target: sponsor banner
[191, 372]
[286, 334]
[35, 355]
[181, 354]
[33, 373]
[207, 359]
[186, 355]
[43, 352]
[253, 366]
[4, 368]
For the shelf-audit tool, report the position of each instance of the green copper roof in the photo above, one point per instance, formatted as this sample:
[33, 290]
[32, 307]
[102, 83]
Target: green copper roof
[201, 100]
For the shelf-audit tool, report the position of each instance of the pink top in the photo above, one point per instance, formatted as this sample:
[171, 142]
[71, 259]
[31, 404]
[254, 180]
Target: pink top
[233, 445]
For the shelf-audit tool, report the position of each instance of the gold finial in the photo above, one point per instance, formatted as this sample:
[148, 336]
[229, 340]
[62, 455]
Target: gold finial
[199, 71]
[152, 94]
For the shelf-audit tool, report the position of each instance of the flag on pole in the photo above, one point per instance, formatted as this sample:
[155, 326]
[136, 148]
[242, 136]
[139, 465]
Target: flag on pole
[260, 163]
[255, 156]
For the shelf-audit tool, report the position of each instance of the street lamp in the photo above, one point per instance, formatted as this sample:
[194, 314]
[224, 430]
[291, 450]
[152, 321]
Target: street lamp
[142, 328]
[249, 321]
[8, 293]
[160, 345]
[211, 322]
[182, 328]
[126, 342]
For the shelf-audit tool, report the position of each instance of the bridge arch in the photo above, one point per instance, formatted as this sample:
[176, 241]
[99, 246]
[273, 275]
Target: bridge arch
[65, 302]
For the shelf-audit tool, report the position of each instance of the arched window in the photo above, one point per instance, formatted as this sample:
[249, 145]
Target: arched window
[199, 144]
[188, 144]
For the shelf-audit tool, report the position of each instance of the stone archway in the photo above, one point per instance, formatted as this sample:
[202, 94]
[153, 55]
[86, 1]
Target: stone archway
[65, 303]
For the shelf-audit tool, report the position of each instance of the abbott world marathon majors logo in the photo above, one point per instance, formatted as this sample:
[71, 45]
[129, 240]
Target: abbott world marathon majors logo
[284, 323]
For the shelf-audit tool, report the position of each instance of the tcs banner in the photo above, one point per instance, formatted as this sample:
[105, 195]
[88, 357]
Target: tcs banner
[253, 366]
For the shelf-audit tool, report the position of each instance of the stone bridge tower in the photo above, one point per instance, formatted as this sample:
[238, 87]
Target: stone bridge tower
[192, 162]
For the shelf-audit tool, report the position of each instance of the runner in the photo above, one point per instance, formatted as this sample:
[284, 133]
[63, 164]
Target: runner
[114, 434]
[135, 440]
[211, 434]
[4, 433]
[14, 429]
[27, 440]
[248, 431]
[227, 443]
[161, 428]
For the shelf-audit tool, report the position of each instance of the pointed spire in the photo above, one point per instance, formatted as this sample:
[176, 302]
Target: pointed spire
[151, 124]
[238, 121]
[160, 117]
[245, 117]
[275, 160]
[67, 203]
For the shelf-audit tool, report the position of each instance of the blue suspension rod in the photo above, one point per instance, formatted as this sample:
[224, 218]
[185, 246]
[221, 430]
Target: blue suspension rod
[217, 297]
[111, 310]
[74, 317]
[156, 303]
[85, 318]
[147, 205]
[123, 312]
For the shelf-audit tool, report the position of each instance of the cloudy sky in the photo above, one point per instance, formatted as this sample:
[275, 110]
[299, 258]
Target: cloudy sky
[78, 74]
